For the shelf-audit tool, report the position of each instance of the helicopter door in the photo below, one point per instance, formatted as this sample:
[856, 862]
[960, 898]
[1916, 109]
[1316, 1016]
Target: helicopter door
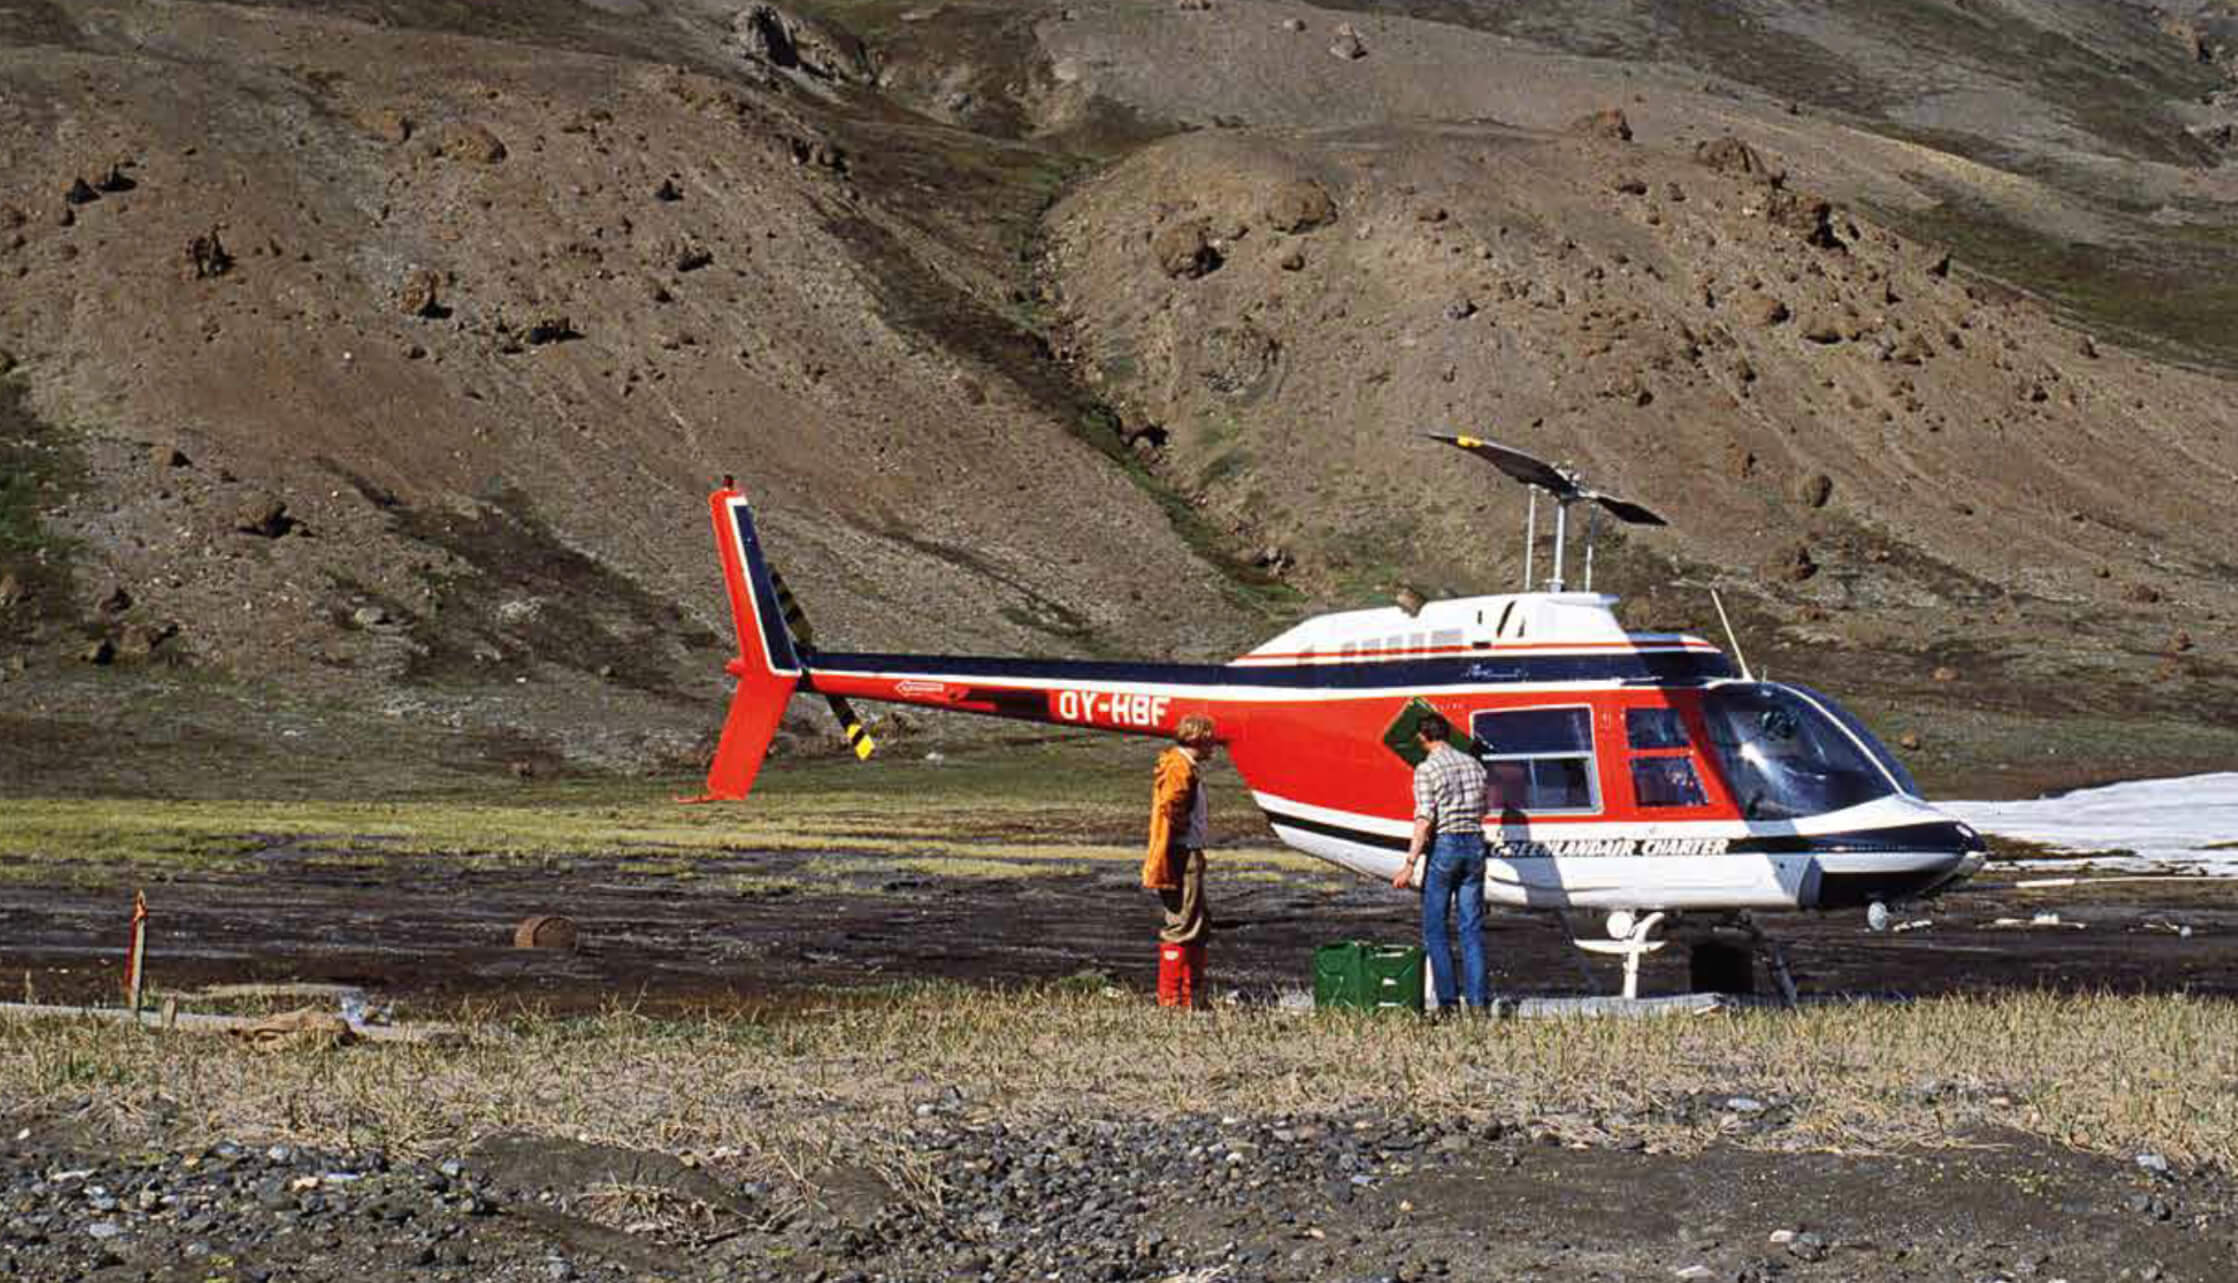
[1539, 760]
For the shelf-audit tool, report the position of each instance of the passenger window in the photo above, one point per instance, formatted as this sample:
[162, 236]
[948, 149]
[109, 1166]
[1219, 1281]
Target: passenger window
[1654, 728]
[1665, 781]
[1538, 759]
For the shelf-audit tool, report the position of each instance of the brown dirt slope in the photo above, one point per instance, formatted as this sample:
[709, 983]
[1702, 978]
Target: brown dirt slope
[364, 365]
[488, 317]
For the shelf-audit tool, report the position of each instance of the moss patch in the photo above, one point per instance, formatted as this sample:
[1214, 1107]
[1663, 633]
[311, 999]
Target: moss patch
[38, 469]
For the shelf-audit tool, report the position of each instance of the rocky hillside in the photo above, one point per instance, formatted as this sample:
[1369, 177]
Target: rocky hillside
[365, 365]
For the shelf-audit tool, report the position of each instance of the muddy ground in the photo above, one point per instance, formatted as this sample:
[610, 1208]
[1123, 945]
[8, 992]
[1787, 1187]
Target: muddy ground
[1393, 1195]
[747, 925]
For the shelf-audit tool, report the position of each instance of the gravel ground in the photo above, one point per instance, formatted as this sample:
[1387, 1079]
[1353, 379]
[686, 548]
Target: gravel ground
[963, 1194]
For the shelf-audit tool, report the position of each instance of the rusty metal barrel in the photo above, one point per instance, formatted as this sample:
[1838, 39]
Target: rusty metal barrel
[545, 931]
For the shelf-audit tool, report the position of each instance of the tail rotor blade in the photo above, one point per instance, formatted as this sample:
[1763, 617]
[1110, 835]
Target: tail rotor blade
[804, 637]
[852, 725]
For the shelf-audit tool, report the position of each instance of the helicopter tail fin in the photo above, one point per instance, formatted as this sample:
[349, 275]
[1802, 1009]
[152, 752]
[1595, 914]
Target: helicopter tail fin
[768, 666]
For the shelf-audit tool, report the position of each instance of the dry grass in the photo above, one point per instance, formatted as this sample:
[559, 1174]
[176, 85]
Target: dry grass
[811, 1088]
[958, 831]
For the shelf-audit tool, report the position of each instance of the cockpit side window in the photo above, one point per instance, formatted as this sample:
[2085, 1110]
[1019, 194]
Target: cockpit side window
[1784, 757]
[1654, 728]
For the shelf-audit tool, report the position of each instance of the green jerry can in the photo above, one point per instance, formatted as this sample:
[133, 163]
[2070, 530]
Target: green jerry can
[1368, 977]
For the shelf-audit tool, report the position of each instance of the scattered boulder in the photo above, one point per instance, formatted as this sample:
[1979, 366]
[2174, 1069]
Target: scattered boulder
[207, 256]
[1293, 25]
[1300, 205]
[2087, 348]
[100, 652]
[1192, 6]
[118, 600]
[1814, 490]
[80, 193]
[421, 294]
[1807, 214]
[143, 642]
[1184, 251]
[7, 361]
[1823, 329]
[668, 192]
[1607, 123]
[1909, 741]
[1631, 186]
[2142, 594]
[2179, 642]
[264, 515]
[1729, 155]
[551, 329]
[1294, 261]
[1347, 44]
[1238, 360]
[116, 180]
[386, 124]
[691, 258]
[1794, 564]
[369, 616]
[1765, 311]
[461, 140]
[1944, 673]
[1914, 349]
[788, 41]
[168, 456]
[12, 591]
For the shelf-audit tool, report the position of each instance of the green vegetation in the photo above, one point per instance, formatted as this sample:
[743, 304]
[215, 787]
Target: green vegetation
[1015, 814]
[38, 469]
[2114, 1075]
[2171, 293]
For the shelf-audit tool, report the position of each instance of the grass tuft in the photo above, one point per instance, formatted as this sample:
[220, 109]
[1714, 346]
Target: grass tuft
[2115, 1075]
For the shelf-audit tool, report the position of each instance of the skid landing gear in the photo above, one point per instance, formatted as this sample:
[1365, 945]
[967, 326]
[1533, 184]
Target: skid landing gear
[1717, 962]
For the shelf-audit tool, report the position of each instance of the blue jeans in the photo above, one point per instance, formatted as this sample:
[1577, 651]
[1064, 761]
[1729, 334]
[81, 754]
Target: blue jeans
[1456, 871]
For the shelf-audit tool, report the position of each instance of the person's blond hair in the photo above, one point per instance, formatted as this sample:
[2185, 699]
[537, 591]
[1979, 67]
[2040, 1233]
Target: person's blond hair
[1195, 728]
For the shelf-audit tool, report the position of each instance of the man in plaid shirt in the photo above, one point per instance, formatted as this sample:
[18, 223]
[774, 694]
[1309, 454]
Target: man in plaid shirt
[1449, 827]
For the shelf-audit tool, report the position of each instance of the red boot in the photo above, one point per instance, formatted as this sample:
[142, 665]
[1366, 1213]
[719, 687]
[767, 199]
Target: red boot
[1173, 963]
[1193, 990]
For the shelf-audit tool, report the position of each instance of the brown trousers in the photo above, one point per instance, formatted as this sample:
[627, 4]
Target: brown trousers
[1186, 922]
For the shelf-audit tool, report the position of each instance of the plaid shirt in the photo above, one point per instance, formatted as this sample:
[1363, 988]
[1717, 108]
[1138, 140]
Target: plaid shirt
[1449, 791]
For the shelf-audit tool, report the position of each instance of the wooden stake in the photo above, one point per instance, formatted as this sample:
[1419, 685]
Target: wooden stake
[136, 960]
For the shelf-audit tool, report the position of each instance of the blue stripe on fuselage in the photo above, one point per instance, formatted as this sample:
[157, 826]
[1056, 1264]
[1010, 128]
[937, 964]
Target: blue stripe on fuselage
[1659, 667]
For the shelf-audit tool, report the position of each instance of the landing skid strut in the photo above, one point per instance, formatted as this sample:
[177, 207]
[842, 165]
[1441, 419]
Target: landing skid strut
[1632, 937]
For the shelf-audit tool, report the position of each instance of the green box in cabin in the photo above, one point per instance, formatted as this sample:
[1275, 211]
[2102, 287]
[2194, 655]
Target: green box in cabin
[1368, 977]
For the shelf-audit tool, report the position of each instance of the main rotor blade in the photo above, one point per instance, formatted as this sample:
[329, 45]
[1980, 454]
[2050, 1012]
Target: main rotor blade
[1627, 511]
[1524, 468]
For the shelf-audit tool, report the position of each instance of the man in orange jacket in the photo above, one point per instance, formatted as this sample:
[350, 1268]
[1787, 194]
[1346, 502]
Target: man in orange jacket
[1174, 865]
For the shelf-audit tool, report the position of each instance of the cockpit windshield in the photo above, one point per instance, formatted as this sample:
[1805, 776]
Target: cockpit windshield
[1784, 756]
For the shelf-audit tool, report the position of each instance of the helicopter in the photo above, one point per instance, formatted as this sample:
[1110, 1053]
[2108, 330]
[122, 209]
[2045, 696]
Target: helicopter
[1643, 775]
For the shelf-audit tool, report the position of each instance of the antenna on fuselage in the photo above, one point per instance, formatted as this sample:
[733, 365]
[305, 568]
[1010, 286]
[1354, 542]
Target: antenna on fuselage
[1732, 638]
[1566, 489]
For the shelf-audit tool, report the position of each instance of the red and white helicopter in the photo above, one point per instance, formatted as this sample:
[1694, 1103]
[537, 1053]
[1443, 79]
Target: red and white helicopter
[1636, 773]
